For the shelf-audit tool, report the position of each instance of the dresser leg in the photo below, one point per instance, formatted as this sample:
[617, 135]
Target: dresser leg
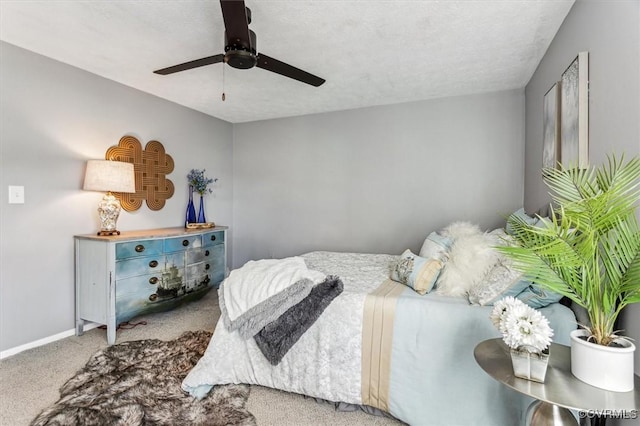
[79, 327]
[111, 334]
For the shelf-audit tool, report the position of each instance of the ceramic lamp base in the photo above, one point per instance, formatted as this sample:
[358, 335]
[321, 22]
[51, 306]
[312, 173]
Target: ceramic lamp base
[108, 211]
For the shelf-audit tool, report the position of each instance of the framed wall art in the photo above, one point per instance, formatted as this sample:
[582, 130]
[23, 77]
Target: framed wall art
[551, 126]
[574, 100]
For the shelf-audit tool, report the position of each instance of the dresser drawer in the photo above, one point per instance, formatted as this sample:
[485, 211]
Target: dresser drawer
[212, 238]
[138, 248]
[197, 276]
[174, 259]
[139, 266]
[185, 242]
[217, 265]
[136, 289]
[198, 255]
[148, 293]
[169, 281]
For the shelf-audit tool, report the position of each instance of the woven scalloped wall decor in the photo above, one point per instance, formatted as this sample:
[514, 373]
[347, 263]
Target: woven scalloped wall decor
[151, 166]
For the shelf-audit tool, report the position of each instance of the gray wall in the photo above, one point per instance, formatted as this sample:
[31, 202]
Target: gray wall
[610, 31]
[53, 118]
[376, 179]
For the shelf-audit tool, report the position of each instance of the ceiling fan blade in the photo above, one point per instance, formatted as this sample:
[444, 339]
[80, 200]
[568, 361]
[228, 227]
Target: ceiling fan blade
[236, 23]
[267, 63]
[191, 64]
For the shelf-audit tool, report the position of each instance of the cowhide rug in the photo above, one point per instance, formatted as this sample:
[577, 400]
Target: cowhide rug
[138, 383]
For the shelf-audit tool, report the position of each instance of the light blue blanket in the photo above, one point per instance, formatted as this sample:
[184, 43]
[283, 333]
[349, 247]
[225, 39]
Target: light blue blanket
[435, 379]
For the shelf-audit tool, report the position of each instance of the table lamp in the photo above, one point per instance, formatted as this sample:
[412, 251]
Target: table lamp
[110, 176]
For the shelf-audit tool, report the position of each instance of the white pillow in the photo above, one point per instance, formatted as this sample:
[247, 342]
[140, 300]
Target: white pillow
[501, 281]
[436, 246]
[471, 257]
[460, 229]
[504, 280]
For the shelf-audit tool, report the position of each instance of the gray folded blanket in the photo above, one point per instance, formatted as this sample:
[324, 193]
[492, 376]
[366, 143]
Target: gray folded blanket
[252, 321]
[277, 337]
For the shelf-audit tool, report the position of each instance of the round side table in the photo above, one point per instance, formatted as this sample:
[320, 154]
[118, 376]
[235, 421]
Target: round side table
[561, 390]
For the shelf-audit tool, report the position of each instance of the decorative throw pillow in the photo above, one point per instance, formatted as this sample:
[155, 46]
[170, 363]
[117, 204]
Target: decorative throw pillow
[538, 297]
[471, 257]
[461, 229]
[521, 214]
[501, 281]
[436, 246]
[417, 272]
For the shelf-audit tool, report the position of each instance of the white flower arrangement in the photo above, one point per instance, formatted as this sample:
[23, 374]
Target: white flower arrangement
[522, 327]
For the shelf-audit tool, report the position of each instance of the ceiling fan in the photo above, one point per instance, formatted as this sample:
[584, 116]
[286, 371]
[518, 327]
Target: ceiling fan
[240, 48]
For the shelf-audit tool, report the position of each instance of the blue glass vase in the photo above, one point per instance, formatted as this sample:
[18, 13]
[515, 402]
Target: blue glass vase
[191, 210]
[201, 218]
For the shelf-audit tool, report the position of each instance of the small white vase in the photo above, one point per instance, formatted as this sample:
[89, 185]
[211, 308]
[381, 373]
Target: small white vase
[605, 367]
[530, 366]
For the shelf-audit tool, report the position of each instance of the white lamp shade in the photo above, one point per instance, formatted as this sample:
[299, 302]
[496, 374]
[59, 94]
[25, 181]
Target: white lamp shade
[107, 175]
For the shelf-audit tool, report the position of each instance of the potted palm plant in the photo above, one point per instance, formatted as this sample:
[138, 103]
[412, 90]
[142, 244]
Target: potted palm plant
[589, 251]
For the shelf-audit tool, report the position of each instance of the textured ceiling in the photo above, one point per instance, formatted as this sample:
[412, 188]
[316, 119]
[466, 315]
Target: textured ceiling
[370, 52]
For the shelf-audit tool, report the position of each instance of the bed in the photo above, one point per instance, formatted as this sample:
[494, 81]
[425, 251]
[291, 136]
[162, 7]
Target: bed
[380, 343]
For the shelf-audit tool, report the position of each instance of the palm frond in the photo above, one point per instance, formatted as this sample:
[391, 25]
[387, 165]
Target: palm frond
[590, 249]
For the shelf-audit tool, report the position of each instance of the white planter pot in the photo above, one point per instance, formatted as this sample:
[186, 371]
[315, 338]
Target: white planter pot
[602, 366]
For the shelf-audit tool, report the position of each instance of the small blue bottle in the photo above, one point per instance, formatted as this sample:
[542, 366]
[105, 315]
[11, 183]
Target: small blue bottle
[191, 210]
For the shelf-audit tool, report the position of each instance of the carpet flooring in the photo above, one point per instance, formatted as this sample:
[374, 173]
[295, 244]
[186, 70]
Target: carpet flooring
[30, 381]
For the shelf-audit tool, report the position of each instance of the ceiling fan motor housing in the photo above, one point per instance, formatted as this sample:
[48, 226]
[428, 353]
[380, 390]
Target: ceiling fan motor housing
[238, 54]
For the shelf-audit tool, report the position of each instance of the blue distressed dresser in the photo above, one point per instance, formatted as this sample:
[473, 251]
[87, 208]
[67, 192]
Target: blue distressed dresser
[120, 277]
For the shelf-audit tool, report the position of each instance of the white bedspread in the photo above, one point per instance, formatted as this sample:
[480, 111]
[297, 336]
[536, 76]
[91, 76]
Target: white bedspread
[322, 363]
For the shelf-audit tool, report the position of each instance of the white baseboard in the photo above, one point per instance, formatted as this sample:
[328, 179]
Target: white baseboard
[13, 351]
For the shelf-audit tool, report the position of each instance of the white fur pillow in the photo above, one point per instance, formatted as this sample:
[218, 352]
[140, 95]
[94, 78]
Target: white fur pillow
[471, 257]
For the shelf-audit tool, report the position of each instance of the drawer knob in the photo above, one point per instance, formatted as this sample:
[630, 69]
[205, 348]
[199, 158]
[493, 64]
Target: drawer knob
[213, 238]
[206, 266]
[139, 248]
[153, 263]
[153, 280]
[185, 242]
[206, 253]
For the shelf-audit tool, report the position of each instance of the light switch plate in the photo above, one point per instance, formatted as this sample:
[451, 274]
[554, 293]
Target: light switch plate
[16, 194]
